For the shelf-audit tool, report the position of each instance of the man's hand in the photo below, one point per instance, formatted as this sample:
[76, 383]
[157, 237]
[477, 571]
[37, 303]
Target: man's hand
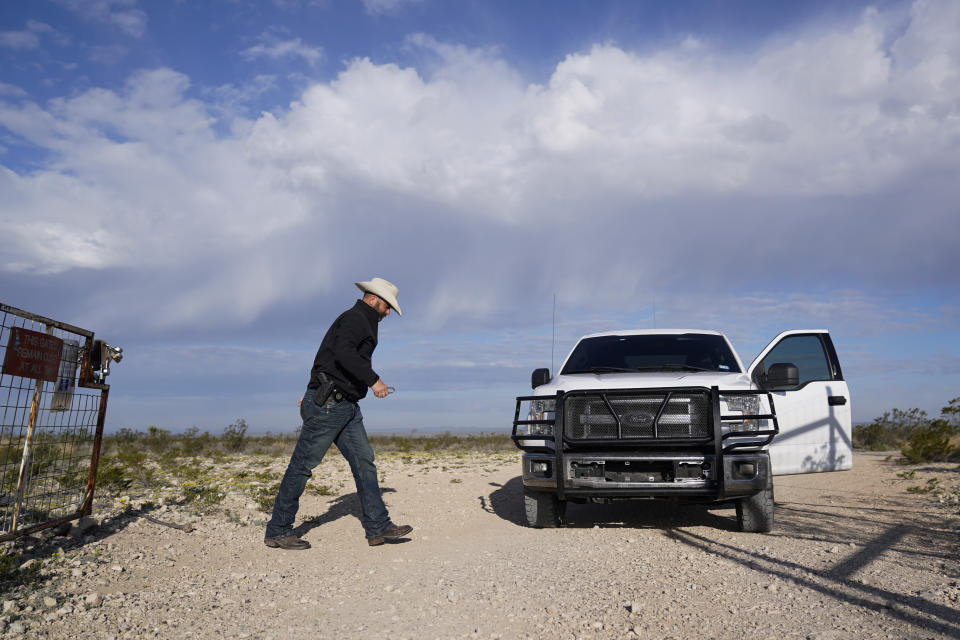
[379, 389]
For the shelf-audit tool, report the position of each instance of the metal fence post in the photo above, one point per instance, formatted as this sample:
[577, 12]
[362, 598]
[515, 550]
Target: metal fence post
[27, 449]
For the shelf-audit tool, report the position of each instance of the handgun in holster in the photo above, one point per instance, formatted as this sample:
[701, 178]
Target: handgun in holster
[322, 394]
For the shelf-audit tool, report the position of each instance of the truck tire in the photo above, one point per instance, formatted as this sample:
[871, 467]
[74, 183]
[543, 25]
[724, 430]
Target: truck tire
[755, 514]
[542, 509]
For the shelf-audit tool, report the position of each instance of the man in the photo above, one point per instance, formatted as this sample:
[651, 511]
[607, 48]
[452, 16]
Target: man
[341, 374]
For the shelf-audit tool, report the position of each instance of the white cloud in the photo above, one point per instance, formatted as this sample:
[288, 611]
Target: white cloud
[28, 38]
[12, 90]
[380, 7]
[274, 48]
[107, 54]
[681, 169]
[142, 182]
[122, 14]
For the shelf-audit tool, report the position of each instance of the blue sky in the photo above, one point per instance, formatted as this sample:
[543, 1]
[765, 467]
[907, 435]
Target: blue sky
[201, 184]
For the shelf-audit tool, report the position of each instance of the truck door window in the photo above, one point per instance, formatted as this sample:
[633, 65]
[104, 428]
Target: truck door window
[806, 352]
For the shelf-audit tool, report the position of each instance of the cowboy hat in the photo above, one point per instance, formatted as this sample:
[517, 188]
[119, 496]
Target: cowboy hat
[383, 289]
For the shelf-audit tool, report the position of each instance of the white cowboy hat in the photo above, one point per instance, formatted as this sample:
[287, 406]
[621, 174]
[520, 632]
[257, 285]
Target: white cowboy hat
[386, 290]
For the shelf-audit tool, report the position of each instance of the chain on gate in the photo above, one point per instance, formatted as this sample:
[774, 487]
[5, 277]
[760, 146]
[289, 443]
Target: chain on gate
[53, 402]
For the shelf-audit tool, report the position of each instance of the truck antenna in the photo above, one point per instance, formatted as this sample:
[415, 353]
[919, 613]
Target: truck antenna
[553, 338]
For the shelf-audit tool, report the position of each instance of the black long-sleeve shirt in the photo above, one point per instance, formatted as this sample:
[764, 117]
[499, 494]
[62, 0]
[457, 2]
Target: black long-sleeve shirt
[346, 351]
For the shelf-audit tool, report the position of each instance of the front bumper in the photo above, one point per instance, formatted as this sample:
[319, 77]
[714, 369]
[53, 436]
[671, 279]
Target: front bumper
[635, 476]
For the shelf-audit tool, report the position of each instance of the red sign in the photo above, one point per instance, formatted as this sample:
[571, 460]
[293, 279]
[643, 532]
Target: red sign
[32, 355]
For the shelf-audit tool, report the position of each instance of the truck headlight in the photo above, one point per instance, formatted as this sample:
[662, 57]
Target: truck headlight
[740, 404]
[540, 410]
[543, 409]
[535, 430]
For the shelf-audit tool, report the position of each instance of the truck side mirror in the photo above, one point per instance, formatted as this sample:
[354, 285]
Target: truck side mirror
[539, 377]
[782, 375]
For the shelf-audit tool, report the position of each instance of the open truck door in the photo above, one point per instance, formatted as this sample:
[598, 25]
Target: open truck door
[801, 370]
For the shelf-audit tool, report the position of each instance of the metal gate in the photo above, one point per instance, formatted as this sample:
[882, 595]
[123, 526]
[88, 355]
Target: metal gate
[53, 401]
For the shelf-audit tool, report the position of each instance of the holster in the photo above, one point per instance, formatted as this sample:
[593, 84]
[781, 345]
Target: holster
[322, 394]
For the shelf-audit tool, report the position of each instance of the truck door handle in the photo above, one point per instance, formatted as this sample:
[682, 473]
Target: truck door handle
[836, 400]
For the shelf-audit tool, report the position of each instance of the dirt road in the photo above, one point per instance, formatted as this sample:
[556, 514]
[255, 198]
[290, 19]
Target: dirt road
[853, 555]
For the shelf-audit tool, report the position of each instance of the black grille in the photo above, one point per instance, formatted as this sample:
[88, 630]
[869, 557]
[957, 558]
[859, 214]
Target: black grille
[651, 416]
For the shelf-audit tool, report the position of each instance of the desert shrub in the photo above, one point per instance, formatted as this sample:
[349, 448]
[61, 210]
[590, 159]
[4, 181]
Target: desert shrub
[8, 560]
[264, 496]
[931, 486]
[75, 477]
[475, 443]
[197, 443]
[951, 413]
[235, 436]
[113, 478]
[317, 490]
[136, 461]
[930, 443]
[158, 440]
[873, 437]
[890, 430]
[202, 495]
[919, 438]
[124, 436]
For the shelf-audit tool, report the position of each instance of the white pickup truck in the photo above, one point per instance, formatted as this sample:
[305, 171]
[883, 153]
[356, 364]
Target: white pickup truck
[673, 414]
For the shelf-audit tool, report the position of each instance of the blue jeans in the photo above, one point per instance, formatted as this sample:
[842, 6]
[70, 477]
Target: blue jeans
[340, 423]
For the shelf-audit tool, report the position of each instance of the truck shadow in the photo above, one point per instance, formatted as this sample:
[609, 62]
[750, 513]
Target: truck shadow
[506, 501]
[905, 543]
[652, 514]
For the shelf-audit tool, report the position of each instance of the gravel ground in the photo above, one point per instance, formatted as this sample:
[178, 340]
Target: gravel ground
[853, 554]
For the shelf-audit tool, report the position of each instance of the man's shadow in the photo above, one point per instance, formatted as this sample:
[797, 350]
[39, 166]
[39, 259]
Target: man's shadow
[340, 507]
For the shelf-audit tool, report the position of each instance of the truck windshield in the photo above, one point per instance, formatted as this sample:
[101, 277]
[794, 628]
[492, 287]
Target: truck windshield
[666, 352]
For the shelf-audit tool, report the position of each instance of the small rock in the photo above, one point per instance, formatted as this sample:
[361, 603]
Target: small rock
[93, 599]
[16, 628]
[49, 602]
[116, 568]
[10, 606]
[834, 549]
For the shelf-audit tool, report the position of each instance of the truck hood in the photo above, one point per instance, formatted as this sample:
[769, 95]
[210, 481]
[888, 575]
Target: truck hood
[645, 380]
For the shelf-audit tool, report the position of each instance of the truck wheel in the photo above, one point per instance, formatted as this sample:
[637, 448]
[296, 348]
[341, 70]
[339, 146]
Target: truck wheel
[755, 514]
[542, 509]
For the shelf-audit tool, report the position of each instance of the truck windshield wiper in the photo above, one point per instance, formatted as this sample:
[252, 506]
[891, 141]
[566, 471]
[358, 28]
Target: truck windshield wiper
[672, 367]
[602, 370]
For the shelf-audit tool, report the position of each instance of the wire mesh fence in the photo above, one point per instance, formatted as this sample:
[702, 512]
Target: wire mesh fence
[52, 408]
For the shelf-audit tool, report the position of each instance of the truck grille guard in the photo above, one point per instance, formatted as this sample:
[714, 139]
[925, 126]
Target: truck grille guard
[658, 419]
